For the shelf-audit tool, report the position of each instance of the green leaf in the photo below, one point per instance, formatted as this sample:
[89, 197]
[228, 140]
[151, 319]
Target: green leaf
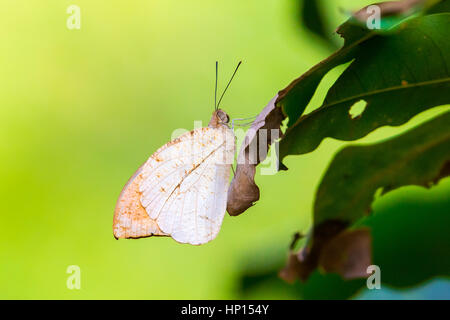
[418, 157]
[397, 74]
[411, 242]
[421, 157]
[439, 7]
[296, 96]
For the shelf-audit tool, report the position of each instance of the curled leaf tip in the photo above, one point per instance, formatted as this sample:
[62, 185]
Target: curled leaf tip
[243, 191]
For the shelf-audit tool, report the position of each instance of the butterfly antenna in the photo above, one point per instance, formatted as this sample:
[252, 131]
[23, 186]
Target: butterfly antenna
[215, 90]
[237, 67]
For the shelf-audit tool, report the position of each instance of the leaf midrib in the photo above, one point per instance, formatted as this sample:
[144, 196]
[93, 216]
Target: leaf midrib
[384, 90]
[372, 93]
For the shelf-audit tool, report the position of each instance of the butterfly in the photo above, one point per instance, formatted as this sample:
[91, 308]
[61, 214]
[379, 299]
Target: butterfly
[181, 190]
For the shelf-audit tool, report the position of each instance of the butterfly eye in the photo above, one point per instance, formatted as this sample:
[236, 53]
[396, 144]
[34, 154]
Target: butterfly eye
[223, 117]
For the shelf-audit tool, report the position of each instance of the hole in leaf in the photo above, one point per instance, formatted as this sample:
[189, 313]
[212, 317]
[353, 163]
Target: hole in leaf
[357, 109]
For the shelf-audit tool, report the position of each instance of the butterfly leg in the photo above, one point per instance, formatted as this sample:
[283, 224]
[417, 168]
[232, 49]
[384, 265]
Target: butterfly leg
[242, 119]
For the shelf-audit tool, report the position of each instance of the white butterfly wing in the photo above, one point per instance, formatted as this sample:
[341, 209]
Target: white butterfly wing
[130, 218]
[185, 183]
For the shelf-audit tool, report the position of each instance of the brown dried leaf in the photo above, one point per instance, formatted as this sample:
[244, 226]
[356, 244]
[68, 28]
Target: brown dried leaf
[243, 191]
[348, 254]
[291, 272]
[333, 249]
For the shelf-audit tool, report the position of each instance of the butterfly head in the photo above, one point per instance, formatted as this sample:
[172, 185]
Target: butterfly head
[219, 118]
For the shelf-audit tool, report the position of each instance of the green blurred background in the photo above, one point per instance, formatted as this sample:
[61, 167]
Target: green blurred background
[82, 109]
